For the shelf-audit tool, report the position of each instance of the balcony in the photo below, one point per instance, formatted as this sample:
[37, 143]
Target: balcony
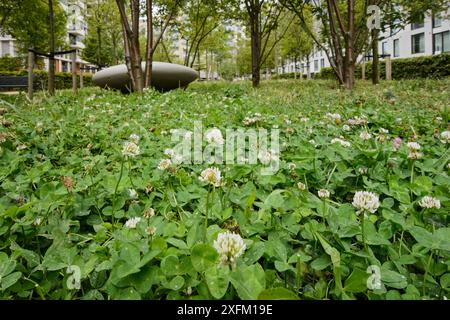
[77, 45]
[75, 30]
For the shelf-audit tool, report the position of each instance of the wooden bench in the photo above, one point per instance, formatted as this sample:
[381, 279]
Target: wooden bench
[13, 82]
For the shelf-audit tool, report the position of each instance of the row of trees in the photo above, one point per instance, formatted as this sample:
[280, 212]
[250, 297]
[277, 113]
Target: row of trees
[275, 30]
[338, 27]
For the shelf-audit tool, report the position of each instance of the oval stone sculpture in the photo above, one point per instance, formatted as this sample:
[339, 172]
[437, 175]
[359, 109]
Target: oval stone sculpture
[165, 76]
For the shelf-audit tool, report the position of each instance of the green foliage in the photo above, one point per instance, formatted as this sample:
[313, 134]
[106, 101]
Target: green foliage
[28, 22]
[104, 40]
[66, 205]
[421, 67]
[11, 63]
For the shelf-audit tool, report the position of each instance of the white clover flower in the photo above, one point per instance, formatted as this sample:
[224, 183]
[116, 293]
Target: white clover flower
[214, 137]
[135, 138]
[266, 157]
[132, 194]
[164, 164]
[383, 130]
[292, 166]
[249, 120]
[169, 152]
[150, 230]
[336, 117]
[366, 201]
[430, 203]
[230, 246]
[301, 186]
[357, 121]
[39, 126]
[21, 147]
[346, 127]
[130, 149]
[211, 176]
[342, 142]
[304, 119]
[132, 222]
[414, 155]
[149, 212]
[323, 193]
[365, 135]
[413, 146]
[37, 221]
[445, 137]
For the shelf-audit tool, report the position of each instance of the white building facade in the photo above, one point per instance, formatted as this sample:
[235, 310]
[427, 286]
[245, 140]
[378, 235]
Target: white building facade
[428, 37]
[76, 33]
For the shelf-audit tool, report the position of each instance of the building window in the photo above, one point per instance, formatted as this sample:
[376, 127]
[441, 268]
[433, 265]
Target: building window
[417, 25]
[384, 48]
[322, 63]
[418, 43]
[441, 42]
[437, 21]
[316, 65]
[396, 48]
[5, 48]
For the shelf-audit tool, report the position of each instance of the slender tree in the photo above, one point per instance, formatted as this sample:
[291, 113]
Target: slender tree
[51, 67]
[133, 57]
[343, 29]
[263, 17]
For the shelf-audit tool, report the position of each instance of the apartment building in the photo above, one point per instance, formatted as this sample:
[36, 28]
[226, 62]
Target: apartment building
[76, 32]
[430, 36]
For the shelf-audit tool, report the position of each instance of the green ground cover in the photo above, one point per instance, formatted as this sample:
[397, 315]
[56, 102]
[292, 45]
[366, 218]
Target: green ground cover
[83, 217]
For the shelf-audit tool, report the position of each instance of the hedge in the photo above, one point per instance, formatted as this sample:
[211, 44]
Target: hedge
[290, 75]
[11, 63]
[8, 63]
[411, 68]
[63, 80]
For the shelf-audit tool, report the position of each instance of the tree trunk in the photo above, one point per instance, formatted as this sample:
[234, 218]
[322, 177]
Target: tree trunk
[136, 59]
[149, 54]
[126, 42]
[349, 46]
[255, 46]
[376, 59]
[51, 60]
[99, 45]
[295, 68]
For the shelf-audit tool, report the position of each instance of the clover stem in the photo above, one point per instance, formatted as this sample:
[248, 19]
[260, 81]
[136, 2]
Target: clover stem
[129, 174]
[363, 232]
[207, 210]
[324, 207]
[426, 273]
[115, 192]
